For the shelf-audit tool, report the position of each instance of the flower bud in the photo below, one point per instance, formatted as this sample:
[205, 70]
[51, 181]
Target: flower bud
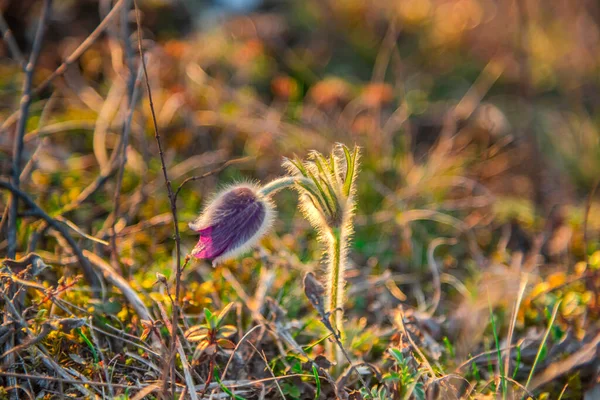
[232, 223]
[327, 190]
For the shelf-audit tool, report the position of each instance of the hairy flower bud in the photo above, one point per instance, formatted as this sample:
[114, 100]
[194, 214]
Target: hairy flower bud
[232, 223]
[328, 186]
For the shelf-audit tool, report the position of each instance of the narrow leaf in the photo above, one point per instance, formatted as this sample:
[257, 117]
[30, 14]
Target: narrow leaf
[224, 313]
[317, 382]
[210, 320]
[349, 171]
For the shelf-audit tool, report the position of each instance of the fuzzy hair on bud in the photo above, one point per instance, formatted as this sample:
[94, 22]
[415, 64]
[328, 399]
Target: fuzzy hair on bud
[232, 222]
[327, 192]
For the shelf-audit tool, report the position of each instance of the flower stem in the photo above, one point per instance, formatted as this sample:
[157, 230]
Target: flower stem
[336, 290]
[282, 183]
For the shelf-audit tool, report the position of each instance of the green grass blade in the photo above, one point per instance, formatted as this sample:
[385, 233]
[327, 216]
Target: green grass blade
[503, 380]
[226, 389]
[539, 353]
[317, 382]
[88, 343]
[517, 361]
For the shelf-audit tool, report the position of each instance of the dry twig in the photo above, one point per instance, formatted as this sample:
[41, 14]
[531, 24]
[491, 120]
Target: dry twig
[21, 125]
[9, 38]
[173, 203]
[212, 172]
[91, 39]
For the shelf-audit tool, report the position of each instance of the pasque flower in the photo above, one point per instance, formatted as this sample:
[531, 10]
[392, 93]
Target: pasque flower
[240, 215]
[233, 222]
[327, 199]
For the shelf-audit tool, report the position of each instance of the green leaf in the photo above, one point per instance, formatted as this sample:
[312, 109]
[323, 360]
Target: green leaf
[503, 381]
[196, 329]
[397, 354]
[419, 391]
[296, 367]
[517, 361]
[349, 170]
[314, 196]
[88, 343]
[210, 320]
[296, 163]
[291, 390]
[204, 347]
[317, 381]
[329, 163]
[227, 331]
[325, 176]
[224, 313]
[391, 377]
[226, 344]
[449, 346]
[324, 196]
[197, 337]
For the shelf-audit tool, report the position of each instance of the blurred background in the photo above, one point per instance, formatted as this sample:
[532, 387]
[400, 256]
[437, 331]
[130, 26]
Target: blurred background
[503, 93]
[519, 75]
[478, 121]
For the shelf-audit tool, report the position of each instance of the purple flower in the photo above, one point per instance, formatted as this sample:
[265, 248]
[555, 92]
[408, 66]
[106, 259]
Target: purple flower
[232, 222]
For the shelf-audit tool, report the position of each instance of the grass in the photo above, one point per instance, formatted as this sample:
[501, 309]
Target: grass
[538, 355]
[504, 384]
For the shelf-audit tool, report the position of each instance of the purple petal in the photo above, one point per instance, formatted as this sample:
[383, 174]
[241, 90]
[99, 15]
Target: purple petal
[235, 217]
[207, 247]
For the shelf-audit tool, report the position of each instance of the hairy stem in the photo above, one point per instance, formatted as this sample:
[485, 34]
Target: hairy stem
[336, 288]
[279, 184]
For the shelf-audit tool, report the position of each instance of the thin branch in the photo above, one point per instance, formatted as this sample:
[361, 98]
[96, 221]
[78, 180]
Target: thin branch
[45, 331]
[128, 49]
[100, 180]
[77, 229]
[17, 155]
[184, 362]
[133, 85]
[212, 172]
[21, 125]
[71, 381]
[9, 38]
[79, 50]
[117, 280]
[414, 346]
[30, 165]
[435, 271]
[177, 268]
[123, 159]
